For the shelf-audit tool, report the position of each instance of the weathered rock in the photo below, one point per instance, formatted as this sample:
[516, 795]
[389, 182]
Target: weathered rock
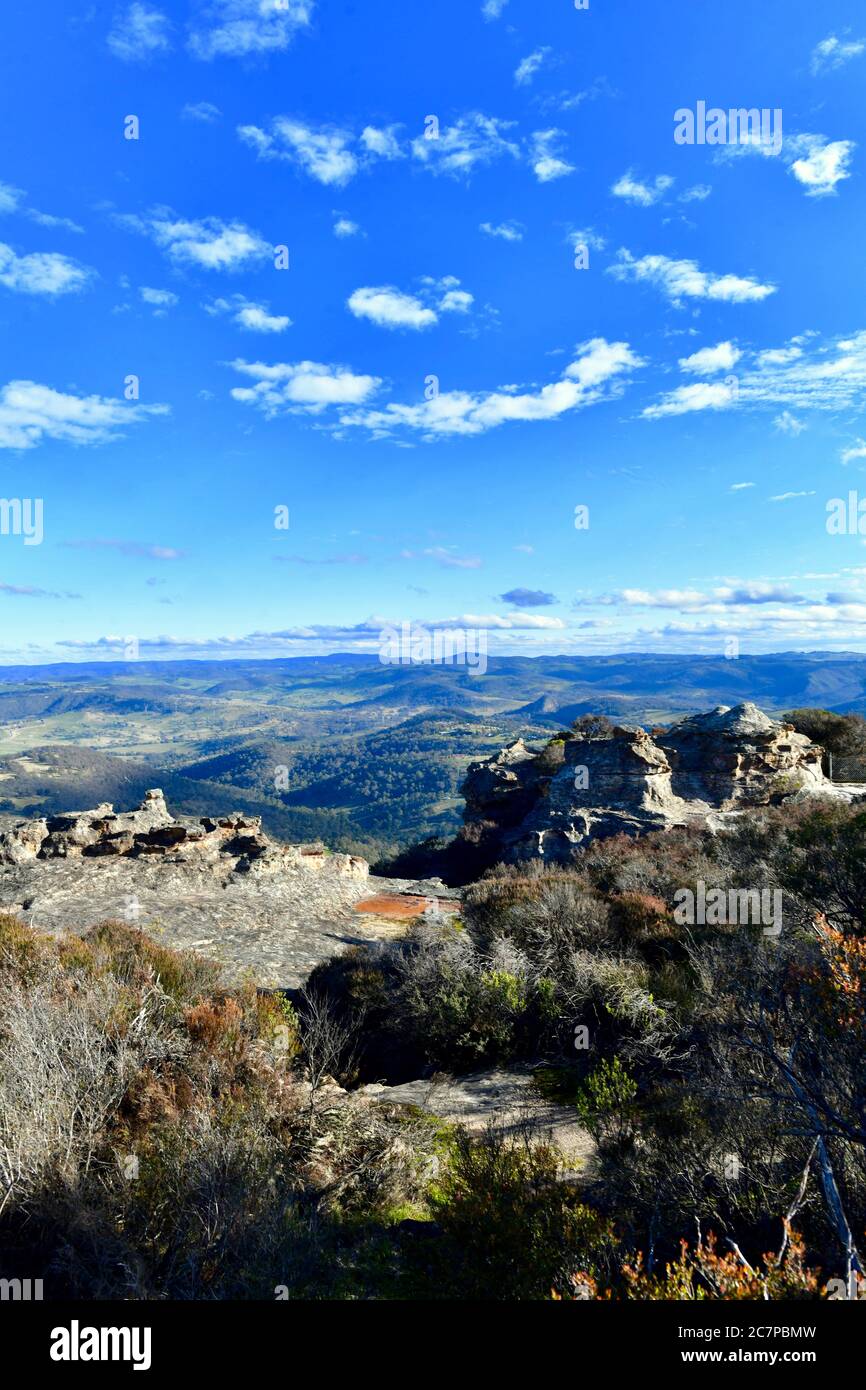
[732, 756]
[506, 1099]
[520, 805]
[219, 885]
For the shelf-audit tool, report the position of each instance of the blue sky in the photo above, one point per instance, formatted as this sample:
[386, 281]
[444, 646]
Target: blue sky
[430, 170]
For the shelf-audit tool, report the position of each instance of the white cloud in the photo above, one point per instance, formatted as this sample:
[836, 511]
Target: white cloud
[817, 163]
[138, 33]
[242, 28]
[720, 358]
[697, 193]
[506, 231]
[586, 237]
[449, 560]
[704, 395]
[473, 140]
[13, 200]
[684, 279]
[746, 595]
[822, 164]
[383, 143]
[456, 301]
[546, 163]
[30, 413]
[144, 550]
[739, 487]
[776, 357]
[160, 300]
[595, 375]
[208, 242]
[786, 423]
[345, 227]
[787, 496]
[42, 272]
[644, 195]
[833, 53]
[48, 219]
[323, 153]
[204, 111]
[492, 9]
[10, 198]
[254, 318]
[526, 70]
[828, 376]
[390, 308]
[857, 450]
[301, 387]
[332, 155]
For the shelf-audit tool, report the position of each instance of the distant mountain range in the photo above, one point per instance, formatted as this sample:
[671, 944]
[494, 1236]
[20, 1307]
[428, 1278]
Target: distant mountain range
[364, 756]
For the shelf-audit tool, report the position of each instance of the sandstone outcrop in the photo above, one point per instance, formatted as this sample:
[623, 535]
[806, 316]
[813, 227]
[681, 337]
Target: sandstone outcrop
[524, 804]
[233, 844]
[218, 884]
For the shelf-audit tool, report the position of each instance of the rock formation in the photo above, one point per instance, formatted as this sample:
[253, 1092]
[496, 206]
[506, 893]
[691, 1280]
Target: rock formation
[220, 885]
[233, 844]
[523, 805]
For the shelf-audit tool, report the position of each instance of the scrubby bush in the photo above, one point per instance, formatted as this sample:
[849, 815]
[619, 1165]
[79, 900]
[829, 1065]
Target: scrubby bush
[511, 1228]
[156, 1136]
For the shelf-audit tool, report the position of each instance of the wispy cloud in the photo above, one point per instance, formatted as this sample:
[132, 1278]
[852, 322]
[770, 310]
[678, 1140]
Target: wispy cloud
[42, 272]
[31, 413]
[344, 227]
[547, 163]
[324, 154]
[160, 300]
[806, 375]
[857, 450]
[144, 550]
[382, 142]
[684, 279]
[704, 395]
[350, 559]
[786, 423]
[208, 242]
[642, 194]
[698, 193]
[447, 558]
[472, 141]
[506, 231]
[529, 66]
[330, 154]
[139, 32]
[832, 53]
[596, 374]
[247, 28]
[252, 317]
[203, 111]
[28, 591]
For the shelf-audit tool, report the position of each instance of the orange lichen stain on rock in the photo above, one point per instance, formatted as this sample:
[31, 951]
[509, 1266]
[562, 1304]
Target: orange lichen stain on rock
[403, 907]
